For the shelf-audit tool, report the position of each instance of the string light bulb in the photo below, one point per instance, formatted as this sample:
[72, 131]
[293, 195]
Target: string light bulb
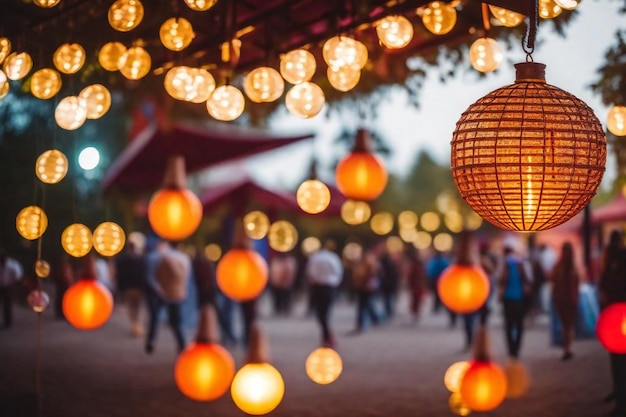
[226, 103]
[176, 33]
[485, 54]
[46, 4]
[505, 17]
[340, 51]
[17, 65]
[110, 54]
[305, 100]
[438, 17]
[343, 78]
[69, 58]
[125, 15]
[549, 9]
[31, 222]
[200, 5]
[313, 196]
[297, 66]
[616, 120]
[97, 99]
[135, 63]
[45, 83]
[394, 32]
[51, 166]
[264, 85]
[70, 113]
[76, 240]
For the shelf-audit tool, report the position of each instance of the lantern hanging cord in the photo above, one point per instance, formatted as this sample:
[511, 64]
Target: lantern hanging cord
[528, 43]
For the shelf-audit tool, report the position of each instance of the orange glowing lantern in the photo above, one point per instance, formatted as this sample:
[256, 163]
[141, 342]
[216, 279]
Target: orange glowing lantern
[611, 328]
[87, 304]
[483, 386]
[361, 175]
[204, 370]
[174, 212]
[463, 287]
[242, 274]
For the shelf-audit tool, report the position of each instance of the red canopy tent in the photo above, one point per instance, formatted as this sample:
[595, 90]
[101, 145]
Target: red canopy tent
[613, 211]
[141, 165]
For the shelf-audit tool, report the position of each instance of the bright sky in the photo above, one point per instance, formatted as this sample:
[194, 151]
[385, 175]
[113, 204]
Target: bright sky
[571, 65]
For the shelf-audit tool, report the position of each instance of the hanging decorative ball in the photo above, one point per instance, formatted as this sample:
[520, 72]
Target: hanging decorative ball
[439, 17]
[506, 17]
[548, 9]
[305, 100]
[42, 268]
[483, 386]
[178, 82]
[87, 304]
[568, 4]
[454, 374]
[17, 65]
[341, 51]
[226, 103]
[135, 63]
[45, 83]
[485, 54]
[204, 371]
[108, 239]
[382, 223]
[457, 406]
[97, 100]
[407, 219]
[5, 48]
[46, 3]
[422, 240]
[256, 224]
[282, 236]
[430, 221]
[69, 58]
[394, 32]
[355, 212]
[31, 222]
[51, 166]
[176, 33]
[611, 328]
[463, 288]
[343, 78]
[361, 175]
[443, 242]
[257, 388]
[71, 113]
[110, 54]
[200, 5]
[528, 156]
[213, 252]
[264, 85]
[297, 66]
[616, 121]
[310, 245]
[125, 15]
[38, 300]
[76, 240]
[313, 196]
[242, 274]
[323, 366]
[518, 380]
[174, 214]
[202, 86]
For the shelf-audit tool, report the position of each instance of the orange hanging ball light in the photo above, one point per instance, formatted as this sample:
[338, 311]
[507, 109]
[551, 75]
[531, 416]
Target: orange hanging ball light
[242, 274]
[204, 371]
[611, 328]
[174, 212]
[87, 304]
[463, 288]
[361, 175]
[483, 386]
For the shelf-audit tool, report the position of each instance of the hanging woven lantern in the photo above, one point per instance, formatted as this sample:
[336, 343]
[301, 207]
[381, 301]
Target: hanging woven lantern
[51, 166]
[76, 240]
[125, 15]
[69, 58]
[108, 239]
[135, 63]
[97, 100]
[176, 33]
[528, 156]
[31, 222]
[70, 113]
[45, 83]
[110, 54]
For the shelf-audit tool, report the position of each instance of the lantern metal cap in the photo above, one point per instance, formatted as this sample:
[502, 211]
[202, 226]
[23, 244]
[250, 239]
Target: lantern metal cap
[207, 326]
[464, 252]
[481, 345]
[530, 72]
[175, 173]
[259, 351]
[362, 141]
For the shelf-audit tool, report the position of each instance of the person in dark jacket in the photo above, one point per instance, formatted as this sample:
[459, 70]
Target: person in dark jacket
[130, 270]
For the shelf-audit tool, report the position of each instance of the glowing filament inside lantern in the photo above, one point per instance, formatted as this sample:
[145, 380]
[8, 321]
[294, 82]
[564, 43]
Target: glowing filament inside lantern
[529, 190]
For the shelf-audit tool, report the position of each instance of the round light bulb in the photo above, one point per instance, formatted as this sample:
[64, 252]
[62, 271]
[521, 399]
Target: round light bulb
[264, 85]
[202, 85]
[108, 239]
[51, 166]
[256, 224]
[176, 33]
[323, 366]
[110, 54]
[485, 54]
[257, 388]
[407, 219]
[355, 212]
[310, 245]
[177, 82]
[430, 221]
[5, 48]
[226, 103]
[135, 63]
[45, 83]
[69, 58]
[382, 223]
[46, 4]
[340, 51]
[422, 240]
[439, 18]
[97, 100]
[38, 300]
[89, 158]
[17, 65]
[548, 9]
[305, 100]
[313, 196]
[616, 121]
[76, 240]
[200, 5]
[282, 236]
[343, 78]
[297, 66]
[125, 15]
[42, 268]
[394, 32]
[506, 17]
[31, 222]
[71, 113]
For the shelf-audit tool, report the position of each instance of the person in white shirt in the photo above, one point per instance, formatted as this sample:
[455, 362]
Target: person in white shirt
[324, 272]
[10, 274]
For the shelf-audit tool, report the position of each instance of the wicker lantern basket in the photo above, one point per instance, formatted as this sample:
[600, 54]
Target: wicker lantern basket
[528, 156]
